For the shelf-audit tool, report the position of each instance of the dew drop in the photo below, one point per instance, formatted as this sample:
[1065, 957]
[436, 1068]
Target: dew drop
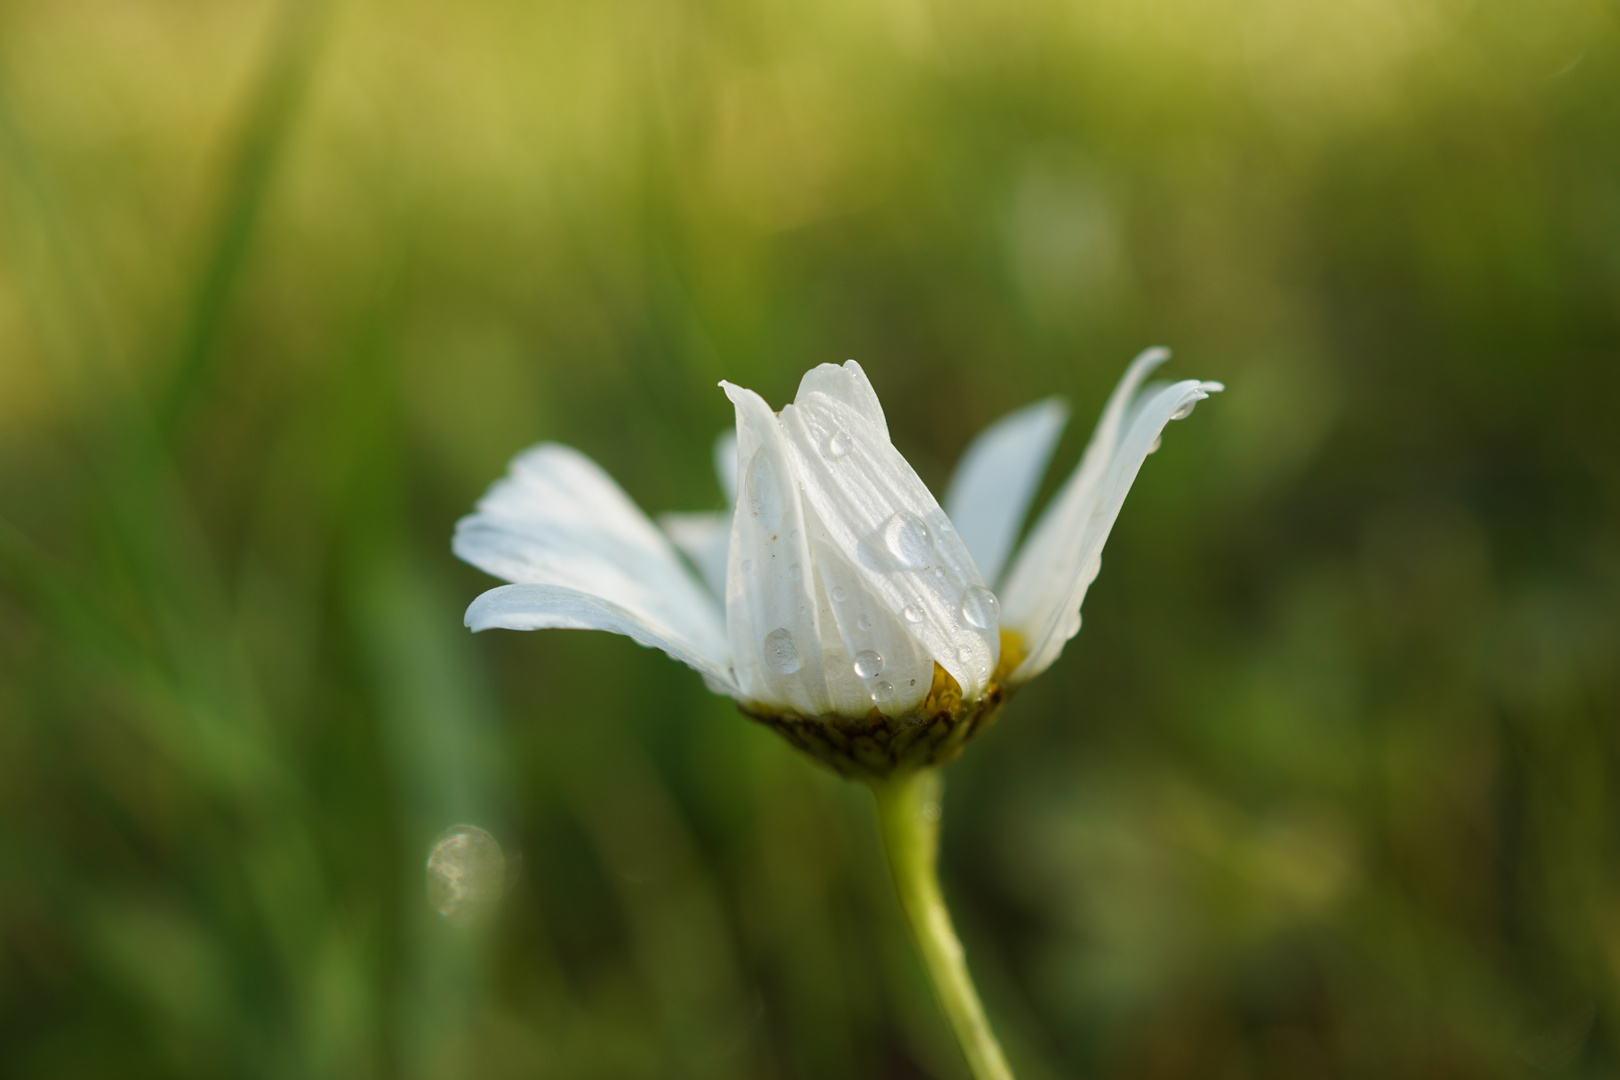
[908, 540]
[911, 613]
[839, 594]
[764, 489]
[466, 872]
[838, 444]
[868, 663]
[796, 572]
[781, 655]
[883, 691]
[864, 622]
[793, 536]
[1185, 411]
[939, 572]
[1157, 439]
[980, 608]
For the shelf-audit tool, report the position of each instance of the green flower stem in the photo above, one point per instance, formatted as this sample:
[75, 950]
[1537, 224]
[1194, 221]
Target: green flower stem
[908, 814]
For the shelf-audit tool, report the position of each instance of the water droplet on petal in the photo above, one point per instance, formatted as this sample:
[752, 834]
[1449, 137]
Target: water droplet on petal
[864, 622]
[839, 594]
[868, 663]
[883, 691]
[911, 613]
[980, 608]
[793, 536]
[908, 540]
[764, 491]
[466, 872]
[1157, 439]
[1186, 410]
[838, 444]
[796, 572]
[781, 654]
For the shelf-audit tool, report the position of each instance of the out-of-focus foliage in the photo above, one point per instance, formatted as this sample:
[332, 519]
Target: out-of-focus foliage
[1329, 786]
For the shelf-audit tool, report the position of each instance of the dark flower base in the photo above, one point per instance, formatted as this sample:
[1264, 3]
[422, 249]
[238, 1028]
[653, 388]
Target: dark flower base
[875, 746]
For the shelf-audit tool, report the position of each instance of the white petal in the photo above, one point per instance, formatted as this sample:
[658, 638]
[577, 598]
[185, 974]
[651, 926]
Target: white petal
[725, 464]
[881, 516]
[540, 607]
[846, 693]
[895, 672]
[705, 540]
[1047, 596]
[558, 520]
[772, 617]
[1105, 440]
[1028, 589]
[990, 493]
[848, 384]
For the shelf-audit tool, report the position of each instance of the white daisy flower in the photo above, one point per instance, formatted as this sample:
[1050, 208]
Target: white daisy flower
[837, 601]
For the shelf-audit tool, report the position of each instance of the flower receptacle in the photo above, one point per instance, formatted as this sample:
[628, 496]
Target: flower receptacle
[875, 746]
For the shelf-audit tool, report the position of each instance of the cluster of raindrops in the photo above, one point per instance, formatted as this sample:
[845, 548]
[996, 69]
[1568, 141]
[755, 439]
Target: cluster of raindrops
[906, 540]
[869, 665]
[466, 873]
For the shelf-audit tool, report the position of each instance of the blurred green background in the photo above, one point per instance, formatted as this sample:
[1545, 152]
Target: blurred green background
[1329, 785]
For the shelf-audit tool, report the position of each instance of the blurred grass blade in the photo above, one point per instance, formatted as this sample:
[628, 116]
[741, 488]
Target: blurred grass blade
[264, 137]
[49, 592]
[44, 259]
